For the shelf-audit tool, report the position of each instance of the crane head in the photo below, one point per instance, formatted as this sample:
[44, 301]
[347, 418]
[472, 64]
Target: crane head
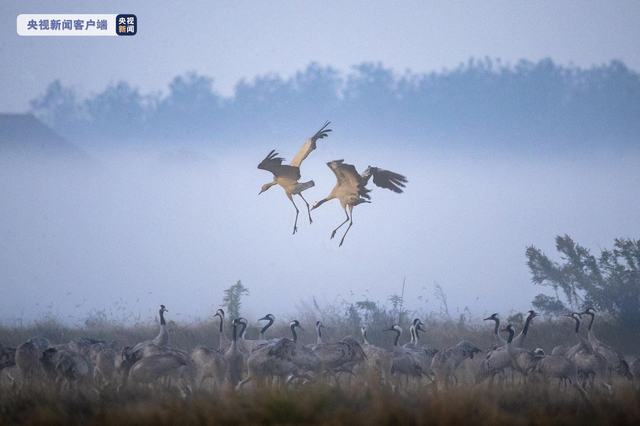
[296, 323]
[576, 316]
[394, 327]
[318, 203]
[266, 186]
[163, 309]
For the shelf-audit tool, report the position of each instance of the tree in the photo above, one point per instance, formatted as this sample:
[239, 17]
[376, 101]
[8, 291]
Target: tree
[233, 299]
[610, 283]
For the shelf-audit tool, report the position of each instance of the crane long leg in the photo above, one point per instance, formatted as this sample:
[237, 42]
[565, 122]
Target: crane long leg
[345, 234]
[308, 210]
[333, 234]
[295, 224]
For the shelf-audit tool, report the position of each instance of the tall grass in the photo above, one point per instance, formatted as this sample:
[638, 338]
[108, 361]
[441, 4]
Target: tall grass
[322, 404]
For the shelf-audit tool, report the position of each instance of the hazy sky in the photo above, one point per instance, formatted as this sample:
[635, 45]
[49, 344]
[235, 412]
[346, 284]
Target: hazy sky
[151, 229]
[150, 226]
[231, 40]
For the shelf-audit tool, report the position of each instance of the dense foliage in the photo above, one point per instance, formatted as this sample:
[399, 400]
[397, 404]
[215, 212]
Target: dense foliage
[610, 283]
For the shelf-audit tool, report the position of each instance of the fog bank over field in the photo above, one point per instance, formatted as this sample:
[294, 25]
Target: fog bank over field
[132, 227]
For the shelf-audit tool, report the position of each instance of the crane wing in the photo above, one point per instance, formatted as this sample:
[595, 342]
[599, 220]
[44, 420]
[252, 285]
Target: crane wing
[310, 145]
[284, 349]
[335, 354]
[385, 179]
[346, 174]
[467, 349]
[348, 177]
[271, 162]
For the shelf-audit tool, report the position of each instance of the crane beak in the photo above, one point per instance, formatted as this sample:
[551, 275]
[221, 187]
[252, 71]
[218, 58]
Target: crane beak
[487, 319]
[300, 327]
[263, 319]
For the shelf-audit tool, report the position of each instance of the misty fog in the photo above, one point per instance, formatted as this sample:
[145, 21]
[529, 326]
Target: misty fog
[129, 228]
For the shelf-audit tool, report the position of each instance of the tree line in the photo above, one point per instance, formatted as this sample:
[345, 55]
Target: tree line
[509, 105]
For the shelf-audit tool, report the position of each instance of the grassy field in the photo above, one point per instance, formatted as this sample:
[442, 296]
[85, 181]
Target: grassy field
[322, 404]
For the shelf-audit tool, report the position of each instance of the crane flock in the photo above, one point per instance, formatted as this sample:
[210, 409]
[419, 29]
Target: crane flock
[284, 361]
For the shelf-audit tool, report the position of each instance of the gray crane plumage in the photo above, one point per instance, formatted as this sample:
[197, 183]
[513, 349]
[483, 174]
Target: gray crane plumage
[210, 363]
[287, 176]
[335, 355]
[103, 356]
[521, 359]
[162, 339]
[60, 363]
[7, 357]
[27, 357]
[234, 357]
[262, 366]
[496, 331]
[615, 360]
[351, 188]
[225, 342]
[446, 362]
[560, 350]
[403, 359]
[518, 341]
[300, 355]
[591, 363]
[378, 363]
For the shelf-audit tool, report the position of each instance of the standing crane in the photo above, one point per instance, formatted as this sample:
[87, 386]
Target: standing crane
[615, 360]
[351, 188]
[287, 176]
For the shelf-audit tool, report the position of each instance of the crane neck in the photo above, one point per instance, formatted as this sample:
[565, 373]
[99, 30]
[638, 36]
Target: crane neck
[593, 317]
[496, 330]
[398, 333]
[364, 337]
[526, 325]
[264, 329]
[162, 317]
[235, 333]
[293, 332]
[319, 336]
[244, 330]
[324, 200]
[416, 330]
[581, 339]
[511, 333]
